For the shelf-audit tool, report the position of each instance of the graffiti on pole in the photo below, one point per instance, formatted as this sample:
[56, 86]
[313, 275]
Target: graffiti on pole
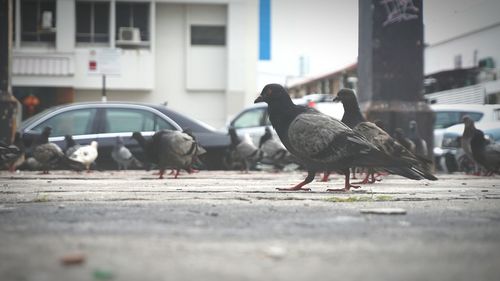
[399, 11]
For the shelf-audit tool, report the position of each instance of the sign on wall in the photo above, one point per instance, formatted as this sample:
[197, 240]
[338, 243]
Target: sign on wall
[104, 62]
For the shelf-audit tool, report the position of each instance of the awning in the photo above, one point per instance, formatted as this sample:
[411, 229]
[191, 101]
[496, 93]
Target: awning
[42, 65]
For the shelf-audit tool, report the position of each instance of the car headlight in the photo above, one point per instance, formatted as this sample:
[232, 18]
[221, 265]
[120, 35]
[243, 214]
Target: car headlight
[451, 142]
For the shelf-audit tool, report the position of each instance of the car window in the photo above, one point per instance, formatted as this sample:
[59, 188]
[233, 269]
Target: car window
[73, 122]
[445, 119]
[250, 118]
[132, 120]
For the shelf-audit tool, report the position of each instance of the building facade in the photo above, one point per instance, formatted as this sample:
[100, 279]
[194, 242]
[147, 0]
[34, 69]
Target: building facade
[198, 57]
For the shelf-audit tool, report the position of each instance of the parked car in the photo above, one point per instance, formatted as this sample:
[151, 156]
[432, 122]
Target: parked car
[254, 118]
[104, 121]
[451, 114]
[453, 158]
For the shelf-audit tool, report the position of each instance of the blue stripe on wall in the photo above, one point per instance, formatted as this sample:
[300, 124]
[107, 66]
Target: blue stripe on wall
[265, 30]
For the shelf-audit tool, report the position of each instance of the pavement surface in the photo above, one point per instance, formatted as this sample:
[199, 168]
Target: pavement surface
[217, 225]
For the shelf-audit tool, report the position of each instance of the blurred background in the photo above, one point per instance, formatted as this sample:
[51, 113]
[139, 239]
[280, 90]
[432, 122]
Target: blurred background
[209, 59]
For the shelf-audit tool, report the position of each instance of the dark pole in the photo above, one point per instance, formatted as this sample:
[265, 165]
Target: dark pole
[390, 68]
[104, 97]
[8, 104]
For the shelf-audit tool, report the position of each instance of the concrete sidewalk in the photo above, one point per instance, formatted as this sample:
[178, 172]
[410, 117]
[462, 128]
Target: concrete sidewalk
[217, 225]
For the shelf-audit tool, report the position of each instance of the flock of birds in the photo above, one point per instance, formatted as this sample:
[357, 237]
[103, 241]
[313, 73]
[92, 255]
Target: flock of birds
[166, 149]
[317, 142]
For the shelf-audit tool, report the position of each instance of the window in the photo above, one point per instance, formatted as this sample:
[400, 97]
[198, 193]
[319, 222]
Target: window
[92, 22]
[74, 122]
[38, 21]
[208, 35]
[133, 120]
[445, 119]
[251, 118]
[130, 14]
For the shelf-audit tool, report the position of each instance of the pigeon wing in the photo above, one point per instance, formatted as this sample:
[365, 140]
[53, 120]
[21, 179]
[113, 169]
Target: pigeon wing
[321, 138]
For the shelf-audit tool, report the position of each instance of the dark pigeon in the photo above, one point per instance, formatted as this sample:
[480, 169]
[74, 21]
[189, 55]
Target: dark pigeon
[320, 142]
[170, 150]
[383, 141]
[71, 145]
[245, 150]
[469, 131]
[122, 155]
[420, 143]
[399, 136]
[484, 153]
[12, 156]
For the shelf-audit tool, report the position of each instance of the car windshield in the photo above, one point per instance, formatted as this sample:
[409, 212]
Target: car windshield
[445, 119]
[251, 118]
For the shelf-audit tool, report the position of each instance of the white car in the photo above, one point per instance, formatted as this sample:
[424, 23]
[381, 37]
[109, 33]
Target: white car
[254, 118]
[452, 159]
[448, 115]
[451, 114]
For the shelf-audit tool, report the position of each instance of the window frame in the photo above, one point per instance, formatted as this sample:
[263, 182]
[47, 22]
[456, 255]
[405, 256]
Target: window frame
[145, 35]
[38, 32]
[198, 42]
[92, 22]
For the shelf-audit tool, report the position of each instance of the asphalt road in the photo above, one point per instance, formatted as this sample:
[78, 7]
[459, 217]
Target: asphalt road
[233, 226]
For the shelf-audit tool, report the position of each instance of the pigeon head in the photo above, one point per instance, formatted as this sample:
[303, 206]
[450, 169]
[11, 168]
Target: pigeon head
[413, 125]
[398, 133]
[468, 122]
[347, 97]
[119, 140]
[273, 93]
[137, 135]
[46, 131]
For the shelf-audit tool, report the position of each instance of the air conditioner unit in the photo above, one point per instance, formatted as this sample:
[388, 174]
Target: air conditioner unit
[129, 35]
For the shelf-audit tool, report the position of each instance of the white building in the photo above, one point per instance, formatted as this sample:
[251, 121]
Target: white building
[462, 34]
[199, 56]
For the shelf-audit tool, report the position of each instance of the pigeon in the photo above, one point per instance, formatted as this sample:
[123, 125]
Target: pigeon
[274, 152]
[321, 142]
[469, 131]
[484, 153]
[71, 145]
[48, 155]
[399, 136]
[122, 156]
[245, 149]
[383, 141]
[85, 154]
[420, 143]
[12, 156]
[170, 149]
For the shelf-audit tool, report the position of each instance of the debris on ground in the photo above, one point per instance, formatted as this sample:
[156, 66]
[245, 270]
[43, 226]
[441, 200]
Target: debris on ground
[384, 211]
[73, 259]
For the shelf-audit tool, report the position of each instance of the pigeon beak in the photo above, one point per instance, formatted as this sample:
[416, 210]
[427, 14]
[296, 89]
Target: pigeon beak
[336, 99]
[259, 99]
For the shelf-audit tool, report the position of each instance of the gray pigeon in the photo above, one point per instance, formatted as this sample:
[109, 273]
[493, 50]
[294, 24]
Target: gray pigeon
[485, 153]
[383, 141]
[420, 144]
[49, 155]
[170, 150]
[322, 143]
[12, 156]
[245, 149]
[469, 131]
[122, 156]
[274, 152]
